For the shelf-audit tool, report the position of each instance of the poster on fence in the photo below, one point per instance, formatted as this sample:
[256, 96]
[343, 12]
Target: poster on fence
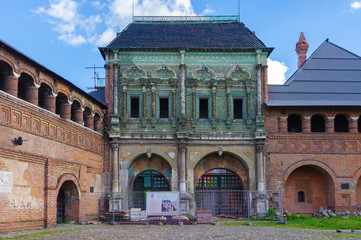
[162, 203]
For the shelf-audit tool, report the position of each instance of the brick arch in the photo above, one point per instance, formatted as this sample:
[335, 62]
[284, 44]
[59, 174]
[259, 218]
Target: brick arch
[314, 181]
[10, 63]
[67, 177]
[30, 73]
[130, 159]
[324, 114]
[357, 181]
[87, 105]
[63, 92]
[301, 163]
[50, 84]
[75, 98]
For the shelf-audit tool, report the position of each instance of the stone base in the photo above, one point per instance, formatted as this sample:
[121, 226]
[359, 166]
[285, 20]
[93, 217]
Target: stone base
[186, 204]
[260, 205]
[115, 205]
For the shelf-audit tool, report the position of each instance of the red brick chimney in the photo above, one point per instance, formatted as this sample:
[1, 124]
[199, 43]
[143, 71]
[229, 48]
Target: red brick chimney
[301, 49]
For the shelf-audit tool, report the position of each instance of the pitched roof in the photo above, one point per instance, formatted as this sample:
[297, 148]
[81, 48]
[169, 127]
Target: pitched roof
[331, 76]
[99, 95]
[185, 35]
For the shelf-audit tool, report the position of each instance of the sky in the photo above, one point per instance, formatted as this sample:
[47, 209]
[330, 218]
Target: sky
[64, 35]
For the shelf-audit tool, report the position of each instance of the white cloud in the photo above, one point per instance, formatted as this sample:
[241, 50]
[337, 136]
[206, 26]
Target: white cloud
[107, 36]
[208, 10]
[276, 72]
[355, 5]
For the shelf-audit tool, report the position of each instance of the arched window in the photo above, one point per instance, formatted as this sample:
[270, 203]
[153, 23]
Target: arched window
[301, 196]
[5, 72]
[359, 124]
[341, 123]
[294, 123]
[317, 123]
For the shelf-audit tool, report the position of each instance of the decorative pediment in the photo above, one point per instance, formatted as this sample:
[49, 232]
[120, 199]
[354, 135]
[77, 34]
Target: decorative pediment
[238, 73]
[204, 73]
[135, 72]
[164, 72]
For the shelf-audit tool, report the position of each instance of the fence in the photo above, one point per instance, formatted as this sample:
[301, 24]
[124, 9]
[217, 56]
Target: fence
[241, 204]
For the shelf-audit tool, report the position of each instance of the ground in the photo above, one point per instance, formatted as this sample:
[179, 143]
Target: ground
[189, 232]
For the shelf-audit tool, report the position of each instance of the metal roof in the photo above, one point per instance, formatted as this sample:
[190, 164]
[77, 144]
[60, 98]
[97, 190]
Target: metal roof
[331, 76]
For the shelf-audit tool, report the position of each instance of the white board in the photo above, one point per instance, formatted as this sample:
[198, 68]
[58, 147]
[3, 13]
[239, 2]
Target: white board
[162, 203]
[6, 182]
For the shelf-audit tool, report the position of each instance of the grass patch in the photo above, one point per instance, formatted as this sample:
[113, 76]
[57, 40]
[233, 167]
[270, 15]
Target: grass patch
[307, 222]
[40, 234]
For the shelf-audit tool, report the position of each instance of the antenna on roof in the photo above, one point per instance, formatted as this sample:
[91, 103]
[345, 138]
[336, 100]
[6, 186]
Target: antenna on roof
[98, 81]
[133, 11]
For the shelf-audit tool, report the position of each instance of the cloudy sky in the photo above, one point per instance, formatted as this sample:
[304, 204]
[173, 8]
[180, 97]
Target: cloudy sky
[64, 35]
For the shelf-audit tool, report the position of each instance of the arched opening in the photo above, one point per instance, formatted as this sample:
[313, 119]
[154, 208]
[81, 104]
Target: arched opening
[88, 118]
[98, 125]
[307, 189]
[46, 98]
[294, 123]
[148, 174]
[341, 123]
[68, 203]
[219, 188]
[76, 112]
[5, 72]
[63, 108]
[359, 124]
[317, 123]
[148, 181]
[27, 90]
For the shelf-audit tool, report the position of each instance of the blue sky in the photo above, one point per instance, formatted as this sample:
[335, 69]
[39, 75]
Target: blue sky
[64, 35]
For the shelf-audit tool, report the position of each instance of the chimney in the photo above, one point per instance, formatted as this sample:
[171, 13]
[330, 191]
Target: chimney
[301, 49]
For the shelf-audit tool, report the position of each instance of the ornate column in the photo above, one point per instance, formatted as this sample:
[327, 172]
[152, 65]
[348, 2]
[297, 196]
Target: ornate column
[98, 125]
[65, 110]
[11, 84]
[125, 105]
[182, 167]
[306, 125]
[183, 91]
[32, 94]
[154, 112]
[194, 102]
[115, 89]
[260, 167]
[330, 124]
[229, 102]
[259, 88]
[282, 124]
[49, 102]
[249, 99]
[353, 124]
[144, 97]
[115, 165]
[214, 101]
[89, 121]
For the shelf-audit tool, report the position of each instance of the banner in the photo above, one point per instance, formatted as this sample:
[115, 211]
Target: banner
[162, 203]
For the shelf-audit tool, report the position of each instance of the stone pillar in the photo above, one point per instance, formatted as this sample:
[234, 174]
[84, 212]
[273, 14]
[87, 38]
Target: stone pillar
[65, 110]
[32, 94]
[98, 125]
[182, 167]
[11, 84]
[115, 166]
[125, 105]
[282, 125]
[115, 89]
[330, 124]
[229, 103]
[353, 124]
[183, 91]
[78, 116]
[306, 125]
[260, 167]
[49, 102]
[89, 121]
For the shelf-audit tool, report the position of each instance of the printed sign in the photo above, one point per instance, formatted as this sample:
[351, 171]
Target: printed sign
[6, 182]
[162, 203]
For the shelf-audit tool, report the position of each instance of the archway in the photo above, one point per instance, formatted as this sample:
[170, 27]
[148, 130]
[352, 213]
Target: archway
[220, 189]
[308, 188]
[358, 192]
[68, 202]
[148, 174]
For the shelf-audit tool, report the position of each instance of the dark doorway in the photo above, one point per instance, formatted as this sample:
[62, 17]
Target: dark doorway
[317, 123]
[221, 191]
[68, 203]
[148, 181]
